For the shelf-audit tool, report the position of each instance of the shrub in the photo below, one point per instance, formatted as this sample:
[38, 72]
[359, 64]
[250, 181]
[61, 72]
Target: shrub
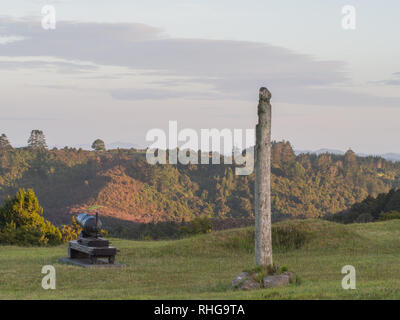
[364, 218]
[389, 215]
[71, 232]
[288, 236]
[22, 222]
[198, 225]
[259, 272]
[142, 231]
[283, 269]
[104, 233]
[285, 236]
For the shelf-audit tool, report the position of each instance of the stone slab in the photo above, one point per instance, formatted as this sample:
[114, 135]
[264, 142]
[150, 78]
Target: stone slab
[276, 280]
[86, 263]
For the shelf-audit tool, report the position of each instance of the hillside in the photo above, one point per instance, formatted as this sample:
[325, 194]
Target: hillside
[382, 207]
[126, 187]
[203, 266]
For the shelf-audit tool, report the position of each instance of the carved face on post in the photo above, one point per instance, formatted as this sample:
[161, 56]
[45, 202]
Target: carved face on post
[265, 96]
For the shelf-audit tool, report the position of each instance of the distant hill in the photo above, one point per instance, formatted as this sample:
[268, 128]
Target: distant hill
[320, 151]
[391, 156]
[127, 188]
[387, 156]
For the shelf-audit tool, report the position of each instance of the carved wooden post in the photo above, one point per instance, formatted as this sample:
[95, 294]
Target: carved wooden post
[263, 240]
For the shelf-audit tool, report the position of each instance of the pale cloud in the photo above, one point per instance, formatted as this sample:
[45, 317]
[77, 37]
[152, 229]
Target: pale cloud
[58, 66]
[216, 69]
[395, 81]
[158, 94]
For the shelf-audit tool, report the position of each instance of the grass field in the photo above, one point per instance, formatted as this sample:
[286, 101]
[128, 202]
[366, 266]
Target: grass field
[202, 267]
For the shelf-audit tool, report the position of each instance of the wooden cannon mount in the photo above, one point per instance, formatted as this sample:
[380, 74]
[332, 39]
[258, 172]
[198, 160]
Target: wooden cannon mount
[92, 248]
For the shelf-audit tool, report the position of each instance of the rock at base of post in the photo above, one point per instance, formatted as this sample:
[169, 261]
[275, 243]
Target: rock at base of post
[249, 280]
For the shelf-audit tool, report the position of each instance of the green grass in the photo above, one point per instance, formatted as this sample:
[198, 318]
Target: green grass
[203, 266]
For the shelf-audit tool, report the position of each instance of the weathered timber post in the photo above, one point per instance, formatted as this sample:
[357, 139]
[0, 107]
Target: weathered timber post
[263, 239]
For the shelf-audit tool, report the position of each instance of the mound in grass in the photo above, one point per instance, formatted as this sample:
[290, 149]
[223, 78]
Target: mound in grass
[286, 236]
[290, 235]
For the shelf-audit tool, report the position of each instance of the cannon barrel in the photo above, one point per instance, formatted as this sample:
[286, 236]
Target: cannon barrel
[89, 225]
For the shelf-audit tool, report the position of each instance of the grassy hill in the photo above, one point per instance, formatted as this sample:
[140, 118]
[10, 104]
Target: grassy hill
[203, 266]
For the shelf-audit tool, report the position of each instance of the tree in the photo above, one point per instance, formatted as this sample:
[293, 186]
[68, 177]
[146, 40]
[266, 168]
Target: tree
[99, 145]
[296, 170]
[324, 162]
[350, 160]
[263, 236]
[282, 153]
[4, 143]
[22, 222]
[37, 140]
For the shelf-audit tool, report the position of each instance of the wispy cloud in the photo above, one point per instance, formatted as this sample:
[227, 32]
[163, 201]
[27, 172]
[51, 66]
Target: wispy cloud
[395, 81]
[217, 69]
[160, 94]
[59, 66]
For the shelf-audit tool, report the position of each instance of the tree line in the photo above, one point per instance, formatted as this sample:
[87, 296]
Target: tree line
[121, 181]
[37, 140]
[385, 206]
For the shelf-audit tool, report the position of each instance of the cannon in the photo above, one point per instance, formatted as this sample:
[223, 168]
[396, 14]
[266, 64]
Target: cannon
[90, 245]
[91, 226]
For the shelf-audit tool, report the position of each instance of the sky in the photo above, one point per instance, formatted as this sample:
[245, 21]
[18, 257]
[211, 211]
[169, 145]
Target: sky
[116, 69]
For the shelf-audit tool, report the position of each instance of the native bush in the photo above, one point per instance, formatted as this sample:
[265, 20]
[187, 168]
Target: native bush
[70, 232]
[389, 215]
[22, 222]
[364, 218]
[198, 225]
[288, 236]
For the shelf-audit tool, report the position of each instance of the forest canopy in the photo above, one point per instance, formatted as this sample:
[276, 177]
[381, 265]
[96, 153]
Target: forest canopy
[126, 187]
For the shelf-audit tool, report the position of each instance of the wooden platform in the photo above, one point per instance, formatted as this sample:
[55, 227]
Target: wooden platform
[93, 254]
[94, 242]
[86, 263]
